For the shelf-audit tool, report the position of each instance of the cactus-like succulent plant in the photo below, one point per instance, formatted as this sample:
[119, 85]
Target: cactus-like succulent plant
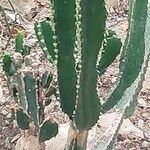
[24, 87]
[80, 49]
[79, 46]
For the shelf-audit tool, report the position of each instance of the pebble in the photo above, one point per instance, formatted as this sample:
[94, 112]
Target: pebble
[15, 138]
[146, 115]
[147, 134]
[140, 124]
[113, 80]
[129, 129]
[9, 116]
[141, 103]
[145, 144]
[4, 112]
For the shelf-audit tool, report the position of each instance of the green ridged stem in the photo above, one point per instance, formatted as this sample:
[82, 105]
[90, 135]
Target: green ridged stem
[92, 34]
[65, 32]
[133, 53]
[110, 50]
[7, 65]
[10, 69]
[125, 106]
[46, 38]
[32, 98]
[20, 44]
[18, 82]
[48, 130]
[22, 119]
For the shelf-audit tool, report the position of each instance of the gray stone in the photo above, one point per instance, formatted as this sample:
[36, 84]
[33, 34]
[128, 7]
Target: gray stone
[9, 116]
[140, 123]
[15, 138]
[128, 128]
[4, 112]
[145, 144]
[141, 103]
